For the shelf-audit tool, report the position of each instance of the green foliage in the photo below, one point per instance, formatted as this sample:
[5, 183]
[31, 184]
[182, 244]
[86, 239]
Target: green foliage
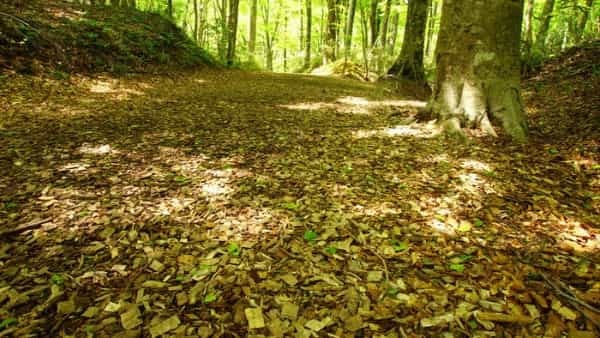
[57, 279]
[234, 249]
[310, 236]
[5, 323]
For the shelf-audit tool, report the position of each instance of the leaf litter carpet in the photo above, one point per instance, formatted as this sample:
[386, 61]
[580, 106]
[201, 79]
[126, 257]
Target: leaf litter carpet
[234, 204]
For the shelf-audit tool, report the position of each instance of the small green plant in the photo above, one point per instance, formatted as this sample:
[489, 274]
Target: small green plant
[57, 279]
[234, 249]
[331, 250]
[310, 236]
[7, 322]
[209, 298]
[399, 246]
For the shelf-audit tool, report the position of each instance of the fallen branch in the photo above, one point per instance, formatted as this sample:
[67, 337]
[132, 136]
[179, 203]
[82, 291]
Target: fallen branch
[19, 20]
[564, 292]
[25, 227]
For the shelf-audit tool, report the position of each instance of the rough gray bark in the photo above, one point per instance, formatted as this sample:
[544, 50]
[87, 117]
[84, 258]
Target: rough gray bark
[545, 18]
[478, 67]
[409, 64]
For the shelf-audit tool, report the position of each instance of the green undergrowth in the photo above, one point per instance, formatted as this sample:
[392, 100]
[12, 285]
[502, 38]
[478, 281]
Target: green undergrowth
[60, 37]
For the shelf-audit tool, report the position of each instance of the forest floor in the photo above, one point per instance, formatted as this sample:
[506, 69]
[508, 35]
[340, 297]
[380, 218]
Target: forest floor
[233, 204]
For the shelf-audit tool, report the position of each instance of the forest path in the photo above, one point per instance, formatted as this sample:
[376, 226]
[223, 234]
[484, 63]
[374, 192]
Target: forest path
[183, 204]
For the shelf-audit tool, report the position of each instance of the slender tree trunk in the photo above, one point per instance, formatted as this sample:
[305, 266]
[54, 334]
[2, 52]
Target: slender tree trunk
[395, 23]
[349, 29]
[196, 21]
[222, 44]
[409, 64]
[540, 40]
[478, 67]
[307, 45]
[232, 28]
[583, 19]
[330, 40]
[252, 34]
[364, 30]
[433, 7]
[301, 41]
[170, 8]
[374, 21]
[384, 26]
[528, 27]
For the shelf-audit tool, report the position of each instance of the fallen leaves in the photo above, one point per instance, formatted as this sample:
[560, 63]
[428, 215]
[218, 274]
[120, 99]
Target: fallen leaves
[240, 217]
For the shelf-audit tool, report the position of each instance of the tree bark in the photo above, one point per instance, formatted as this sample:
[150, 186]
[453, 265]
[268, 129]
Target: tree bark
[349, 29]
[385, 24]
[478, 67]
[374, 21]
[528, 27]
[170, 8]
[307, 45]
[222, 42]
[409, 64]
[395, 23]
[252, 33]
[545, 18]
[232, 28]
[583, 19]
[433, 8]
[196, 21]
[329, 52]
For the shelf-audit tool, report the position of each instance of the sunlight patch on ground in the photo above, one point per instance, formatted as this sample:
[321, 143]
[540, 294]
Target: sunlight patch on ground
[173, 205]
[112, 86]
[246, 223]
[578, 237]
[475, 165]
[75, 167]
[418, 130]
[102, 149]
[355, 105]
[376, 209]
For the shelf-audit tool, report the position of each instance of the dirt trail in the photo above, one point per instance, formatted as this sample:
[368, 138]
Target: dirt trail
[204, 204]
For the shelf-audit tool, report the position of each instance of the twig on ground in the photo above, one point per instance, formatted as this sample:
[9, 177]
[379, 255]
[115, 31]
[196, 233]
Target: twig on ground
[25, 227]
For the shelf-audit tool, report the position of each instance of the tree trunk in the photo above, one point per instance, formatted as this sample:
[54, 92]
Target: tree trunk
[433, 7]
[384, 26]
[349, 28]
[395, 23]
[583, 19]
[222, 42]
[196, 21]
[374, 21]
[232, 28]
[478, 67]
[170, 8]
[409, 64]
[307, 44]
[329, 54]
[252, 34]
[546, 16]
[528, 27]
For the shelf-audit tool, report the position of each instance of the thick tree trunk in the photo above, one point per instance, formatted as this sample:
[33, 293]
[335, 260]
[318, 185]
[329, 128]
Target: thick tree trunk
[409, 64]
[478, 67]
[252, 33]
[349, 29]
[308, 43]
[546, 16]
[232, 28]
